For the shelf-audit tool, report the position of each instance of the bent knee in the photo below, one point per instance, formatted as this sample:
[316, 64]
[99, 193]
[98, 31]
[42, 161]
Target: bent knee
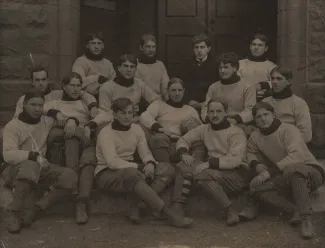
[68, 179]
[131, 177]
[165, 170]
[28, 170]
[160, 140]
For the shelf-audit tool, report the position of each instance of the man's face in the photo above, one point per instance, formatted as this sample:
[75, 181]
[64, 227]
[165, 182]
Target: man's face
[34, 107]
[201, 50]
[149, 48]
[40, 80]
[258, 48]
[216, 113]
[95, 46]
[125, 117]
[73, 88]
[226, 71]
[264, 118]
[279, 82]
[127, 69]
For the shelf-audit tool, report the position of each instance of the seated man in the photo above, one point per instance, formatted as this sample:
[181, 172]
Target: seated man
[291, 170]
[164, 119]
[239, 96]
[224, 172]
[78, 140]
[288, 107]
[117, 170]
[24, 150]
[126, 85]
[150, 70]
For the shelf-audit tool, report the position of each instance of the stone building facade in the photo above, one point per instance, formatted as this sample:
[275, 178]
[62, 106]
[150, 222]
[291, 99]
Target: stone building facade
[49, 31]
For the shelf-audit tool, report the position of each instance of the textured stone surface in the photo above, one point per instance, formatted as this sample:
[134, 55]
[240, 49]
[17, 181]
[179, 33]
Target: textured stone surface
[315, 97]
[318, 121]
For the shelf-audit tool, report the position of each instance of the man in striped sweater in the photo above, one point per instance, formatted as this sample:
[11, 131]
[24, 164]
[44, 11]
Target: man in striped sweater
[224, 172]
[80, 149]
[117, 169]
[238, 94]
[288, 170]
[24, 150]
[150, 70]
[92, 66]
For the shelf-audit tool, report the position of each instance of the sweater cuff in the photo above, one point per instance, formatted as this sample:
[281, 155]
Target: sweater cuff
[52, 113]
[238, 119]
[33, 156]
[92, 125]
[152, 162]
[102, 79]
[265, 85]
[155, 127]
[91, 105]
[214, 163]
[75, 119]
[182, 150]
[253, 164]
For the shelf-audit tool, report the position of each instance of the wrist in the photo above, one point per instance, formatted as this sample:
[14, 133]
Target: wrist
[73, 119]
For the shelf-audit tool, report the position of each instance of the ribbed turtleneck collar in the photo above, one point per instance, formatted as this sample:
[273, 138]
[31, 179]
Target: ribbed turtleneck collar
[257, 59]
[234, 79]
[285, 93]
[116, 125]
[66, 97]
[123, 81]
[94, 57]
[25, 117]
[175, 104]
[220, 126]
[271, 129]
[144, 59]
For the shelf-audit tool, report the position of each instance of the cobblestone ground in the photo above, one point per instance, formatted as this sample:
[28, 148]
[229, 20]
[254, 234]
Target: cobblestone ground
[114, 231]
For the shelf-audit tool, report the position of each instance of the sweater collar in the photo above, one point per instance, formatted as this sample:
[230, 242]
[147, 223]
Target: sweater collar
[94, 57]
[175, 104]
[123, 81]
[285, 93]
[144, 59]
[220, 126]
[66, 97]
[234, 79]
[257, 59]
[116, 125]
[271, 129]
[25, 117]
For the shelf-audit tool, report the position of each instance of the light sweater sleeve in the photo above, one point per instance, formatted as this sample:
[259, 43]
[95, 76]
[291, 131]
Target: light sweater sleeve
[142, 146]
[111, 72]
[204, 111]
[19, 106]
[249, 102]
[186, 141]
[147, 93]
[79, 67]
[50, 105]
[105, 97]
[236, 155]
[107, 146]
[303, 120]
[164, 83]
[295, 147]
[148, 118]
[88, 99]
[103, 117]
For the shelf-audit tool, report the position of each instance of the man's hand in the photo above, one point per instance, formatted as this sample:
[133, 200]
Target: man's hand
[261, 168]
[149, 171]
[60, 119]
[87, 133]
[188, 159]
[93, 112]
[70, 128]
[195, 104]
[45, 165]
[232, 121]
[259, 180]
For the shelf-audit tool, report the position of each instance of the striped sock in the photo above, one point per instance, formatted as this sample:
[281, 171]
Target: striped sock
[186, 189]
[301, 194]
[217, 192]
[279, 201]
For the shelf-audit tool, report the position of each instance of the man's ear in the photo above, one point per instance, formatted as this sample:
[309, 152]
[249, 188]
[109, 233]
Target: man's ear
[141, 48]
[266, 48]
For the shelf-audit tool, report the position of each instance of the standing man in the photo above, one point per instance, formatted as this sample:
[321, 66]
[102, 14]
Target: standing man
[92, 66]
[150, 70]
[199, 72]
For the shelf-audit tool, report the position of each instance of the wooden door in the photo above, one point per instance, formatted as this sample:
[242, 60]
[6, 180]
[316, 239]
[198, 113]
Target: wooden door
[178, 22]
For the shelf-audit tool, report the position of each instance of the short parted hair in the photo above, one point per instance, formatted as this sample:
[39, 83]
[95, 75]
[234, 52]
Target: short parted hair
[147, 37]
[33, 93]
[262, 105]
[38, 69]
[127, 57]
[201, 37]
[284, 71]
[175, 81]
[91, 36]
[120, 104]
[261, 37]
[66, 79]
[223, 103]
[229, 57]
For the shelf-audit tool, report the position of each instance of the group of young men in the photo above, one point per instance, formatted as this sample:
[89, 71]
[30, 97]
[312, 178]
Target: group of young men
[224, 125]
